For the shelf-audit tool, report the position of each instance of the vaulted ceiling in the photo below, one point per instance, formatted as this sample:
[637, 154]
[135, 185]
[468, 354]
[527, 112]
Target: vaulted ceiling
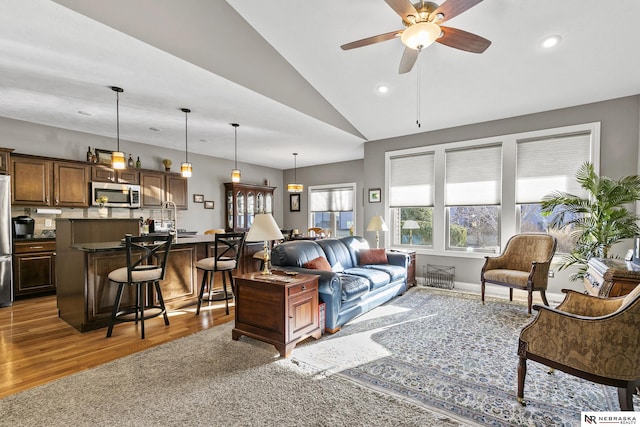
[276, 68]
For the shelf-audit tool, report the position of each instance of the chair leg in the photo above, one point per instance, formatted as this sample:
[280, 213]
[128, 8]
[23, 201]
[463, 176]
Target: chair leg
[141, 288]
[115, 309]
[204, 282]
[625, 396]
[482, 286]
[543, 295]
[510, 294]
[529, 300]
[522, 373]
[224, 286]
[161, 300]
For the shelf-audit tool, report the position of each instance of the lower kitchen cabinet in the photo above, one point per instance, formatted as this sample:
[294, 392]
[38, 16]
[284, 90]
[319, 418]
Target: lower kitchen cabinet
[34, 267]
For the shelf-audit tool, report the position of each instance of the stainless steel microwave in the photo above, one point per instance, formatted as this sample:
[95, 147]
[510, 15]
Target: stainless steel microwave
[116, 195]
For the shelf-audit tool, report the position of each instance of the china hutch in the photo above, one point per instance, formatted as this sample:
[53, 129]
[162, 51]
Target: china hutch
[243, 202]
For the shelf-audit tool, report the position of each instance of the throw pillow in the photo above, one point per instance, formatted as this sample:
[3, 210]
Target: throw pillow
[373, 256]
[319, 263]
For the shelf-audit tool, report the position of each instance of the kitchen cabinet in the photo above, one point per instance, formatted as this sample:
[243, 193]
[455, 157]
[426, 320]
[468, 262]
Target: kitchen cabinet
[34, 267]
[102, 173]
[39, 181]
[5, 166]
[243, 202]
[158, 187]
[177, 190]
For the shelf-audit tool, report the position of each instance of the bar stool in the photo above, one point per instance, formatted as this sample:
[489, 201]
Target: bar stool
[146, 265]
[227, 250]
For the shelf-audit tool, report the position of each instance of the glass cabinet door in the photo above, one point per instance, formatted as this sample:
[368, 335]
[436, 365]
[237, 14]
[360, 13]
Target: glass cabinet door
[260, 204]
[250, 208]
[240, 213]
[230, 210]
[268, 203]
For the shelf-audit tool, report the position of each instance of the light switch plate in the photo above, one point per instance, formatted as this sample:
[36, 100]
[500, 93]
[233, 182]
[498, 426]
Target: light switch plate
[48, 222]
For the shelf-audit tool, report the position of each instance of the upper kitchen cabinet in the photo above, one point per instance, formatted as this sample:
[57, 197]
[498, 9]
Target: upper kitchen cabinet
[70, 185]
[177, 190]
[243, 202]
[5, 166]
[158, 187]
[30, 181]
[41, 182]
[102, 173]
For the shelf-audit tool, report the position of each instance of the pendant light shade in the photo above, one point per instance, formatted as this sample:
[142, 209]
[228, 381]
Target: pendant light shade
[235, 173]
[118, 160]
[295, 187]
[185, 167]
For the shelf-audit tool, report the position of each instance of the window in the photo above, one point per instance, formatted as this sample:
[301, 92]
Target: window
[472, 191]
[538, 173]
[469, 197]
[411, 199]
[332, 208]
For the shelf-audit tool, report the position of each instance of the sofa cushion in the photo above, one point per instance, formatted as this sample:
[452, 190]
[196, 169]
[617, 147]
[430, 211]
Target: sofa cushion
[376, 278]
[372, 256]
[353, 286]
[319, 263]
[336, 252]
[394, 271]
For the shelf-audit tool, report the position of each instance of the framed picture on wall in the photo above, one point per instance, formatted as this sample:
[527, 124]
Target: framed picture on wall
[375, 195]
[103, 156]
[198, 198]
[294, 202]
[208, 204]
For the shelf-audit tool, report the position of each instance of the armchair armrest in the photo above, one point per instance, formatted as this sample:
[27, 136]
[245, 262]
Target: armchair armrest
[588, 305]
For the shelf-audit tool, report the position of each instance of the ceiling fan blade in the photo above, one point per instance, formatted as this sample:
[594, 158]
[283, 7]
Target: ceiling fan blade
[409, 58]
[371, 40]
[451, 8]
[463, 40]
[403, 8]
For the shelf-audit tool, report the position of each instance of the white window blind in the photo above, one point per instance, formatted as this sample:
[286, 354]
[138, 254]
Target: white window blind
[550, 164]
[339, 199]
[473, 176]
[411, 181]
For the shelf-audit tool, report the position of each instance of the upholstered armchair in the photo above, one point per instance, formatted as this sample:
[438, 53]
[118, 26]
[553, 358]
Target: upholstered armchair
[524, 264]
[590, 337]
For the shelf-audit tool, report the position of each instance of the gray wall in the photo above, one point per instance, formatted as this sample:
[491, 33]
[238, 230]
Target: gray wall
[335, 173]
[209, 173]
[618, 157]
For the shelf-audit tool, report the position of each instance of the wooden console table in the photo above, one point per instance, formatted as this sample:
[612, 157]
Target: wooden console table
[608, 277]
[278, 309]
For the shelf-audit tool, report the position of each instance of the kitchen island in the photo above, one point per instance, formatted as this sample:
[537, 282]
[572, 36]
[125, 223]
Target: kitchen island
[85, 294]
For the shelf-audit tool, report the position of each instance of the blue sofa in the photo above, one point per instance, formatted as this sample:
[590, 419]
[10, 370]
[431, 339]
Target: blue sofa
[350, 288]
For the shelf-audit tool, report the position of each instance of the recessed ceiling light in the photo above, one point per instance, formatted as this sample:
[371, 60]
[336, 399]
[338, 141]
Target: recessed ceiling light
[383, 88]
[203, 140]
[154, 129]
[550, 41]
[84, 113]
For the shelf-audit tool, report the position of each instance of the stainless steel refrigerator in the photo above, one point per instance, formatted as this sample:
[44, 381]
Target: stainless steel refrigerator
[6, 270]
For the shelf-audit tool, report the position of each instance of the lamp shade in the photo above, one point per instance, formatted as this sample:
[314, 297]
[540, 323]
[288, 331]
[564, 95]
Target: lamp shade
[420, 35]
[186, 170]
[117, 160]
[377, 224]
[410, 225]
[264, 228]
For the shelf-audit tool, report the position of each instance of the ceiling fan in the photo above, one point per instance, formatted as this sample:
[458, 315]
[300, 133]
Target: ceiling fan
[422, 21]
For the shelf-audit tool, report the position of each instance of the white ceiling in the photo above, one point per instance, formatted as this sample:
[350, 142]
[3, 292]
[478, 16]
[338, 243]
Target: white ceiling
[276, 68]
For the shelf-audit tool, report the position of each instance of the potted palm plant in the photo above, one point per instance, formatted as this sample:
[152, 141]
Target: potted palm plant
[597, 221]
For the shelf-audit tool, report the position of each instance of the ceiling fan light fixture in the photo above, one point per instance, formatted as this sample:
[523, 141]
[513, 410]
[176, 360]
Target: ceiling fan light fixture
[420, 35]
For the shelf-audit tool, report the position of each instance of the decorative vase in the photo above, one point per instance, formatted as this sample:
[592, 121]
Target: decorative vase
[103, 212]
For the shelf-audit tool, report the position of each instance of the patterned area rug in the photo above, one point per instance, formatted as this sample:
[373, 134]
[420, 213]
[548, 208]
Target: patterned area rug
[446, 351]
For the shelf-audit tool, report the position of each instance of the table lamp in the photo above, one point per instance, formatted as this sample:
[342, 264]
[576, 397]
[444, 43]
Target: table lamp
[264, 228]
[410, 225]
[377, 224]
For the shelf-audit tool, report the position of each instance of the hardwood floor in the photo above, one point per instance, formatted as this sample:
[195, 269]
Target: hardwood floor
[37, 347]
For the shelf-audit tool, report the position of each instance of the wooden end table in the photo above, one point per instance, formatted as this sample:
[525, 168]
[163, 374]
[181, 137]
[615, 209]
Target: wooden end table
[278, 309]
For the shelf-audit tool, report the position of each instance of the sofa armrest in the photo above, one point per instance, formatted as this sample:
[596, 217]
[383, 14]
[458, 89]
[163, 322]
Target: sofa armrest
[397, 258]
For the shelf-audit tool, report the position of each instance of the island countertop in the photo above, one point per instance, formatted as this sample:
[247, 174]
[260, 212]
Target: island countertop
[119, 245]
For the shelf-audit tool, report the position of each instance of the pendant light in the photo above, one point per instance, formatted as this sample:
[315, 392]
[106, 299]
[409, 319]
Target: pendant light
[117, 157]
[295, 187]
[235, 173]
[185, 167]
